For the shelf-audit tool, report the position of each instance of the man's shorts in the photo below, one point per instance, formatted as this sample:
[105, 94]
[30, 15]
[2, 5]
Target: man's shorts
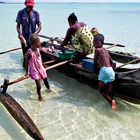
[106, 74]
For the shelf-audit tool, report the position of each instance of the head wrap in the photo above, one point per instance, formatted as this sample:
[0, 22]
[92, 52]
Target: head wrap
[29, 3]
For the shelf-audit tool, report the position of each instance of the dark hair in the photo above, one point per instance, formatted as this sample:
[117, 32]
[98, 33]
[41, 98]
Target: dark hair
[33, 38]
[72, 18]
[99, 37]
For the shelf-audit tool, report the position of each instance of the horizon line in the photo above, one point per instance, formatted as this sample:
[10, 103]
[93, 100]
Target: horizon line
[78, 2]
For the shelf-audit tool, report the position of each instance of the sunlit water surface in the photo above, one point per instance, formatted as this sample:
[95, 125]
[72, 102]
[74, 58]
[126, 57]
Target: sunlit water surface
[74, 111]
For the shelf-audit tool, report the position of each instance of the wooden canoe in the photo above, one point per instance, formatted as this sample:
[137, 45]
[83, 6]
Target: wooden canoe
[123, 57]
[127, 83]
[20, 116]
[117, 56]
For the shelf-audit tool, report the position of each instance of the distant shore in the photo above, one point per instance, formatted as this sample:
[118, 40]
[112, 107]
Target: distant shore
[2, 2]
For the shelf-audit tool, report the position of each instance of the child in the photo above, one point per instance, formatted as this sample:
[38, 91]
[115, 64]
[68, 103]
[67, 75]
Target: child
[34, 65]
[106, 74]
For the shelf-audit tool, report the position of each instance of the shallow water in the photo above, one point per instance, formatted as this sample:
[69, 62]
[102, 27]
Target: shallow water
[74, 111]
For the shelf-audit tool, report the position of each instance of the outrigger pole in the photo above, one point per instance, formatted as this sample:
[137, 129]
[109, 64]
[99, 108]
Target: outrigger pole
[17, 111]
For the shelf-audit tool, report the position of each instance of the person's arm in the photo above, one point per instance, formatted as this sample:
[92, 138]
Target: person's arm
[20, 36]
[96, 55]
[18, 29]
[27, 61]
[19, 22]
[38, 22]
[96, 67]
[38, 29]
[67, 38]
[113, 64]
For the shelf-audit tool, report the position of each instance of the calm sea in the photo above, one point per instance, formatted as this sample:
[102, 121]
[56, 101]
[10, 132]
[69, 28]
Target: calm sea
[74, 111]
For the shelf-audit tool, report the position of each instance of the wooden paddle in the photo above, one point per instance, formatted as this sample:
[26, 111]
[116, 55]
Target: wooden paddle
[113, 45]
[130, 62]
[60, 41]
[22, 41]
[4, 86]
[23, 44]
[10, 50]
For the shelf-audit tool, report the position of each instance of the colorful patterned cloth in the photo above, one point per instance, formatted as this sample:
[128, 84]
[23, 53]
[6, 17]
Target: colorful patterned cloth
[82, 41]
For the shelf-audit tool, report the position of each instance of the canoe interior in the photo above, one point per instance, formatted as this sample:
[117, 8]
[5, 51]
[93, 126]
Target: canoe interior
[121, 57]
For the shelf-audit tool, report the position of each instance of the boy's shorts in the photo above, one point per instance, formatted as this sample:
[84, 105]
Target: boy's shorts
[106, 74]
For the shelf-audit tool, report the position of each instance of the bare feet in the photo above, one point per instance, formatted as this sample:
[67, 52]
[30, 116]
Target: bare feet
[40, 98]
[49, 90]
[113, 104]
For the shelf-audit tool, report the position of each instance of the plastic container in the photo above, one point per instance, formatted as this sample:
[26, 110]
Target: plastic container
[66, 55]
[88, 64]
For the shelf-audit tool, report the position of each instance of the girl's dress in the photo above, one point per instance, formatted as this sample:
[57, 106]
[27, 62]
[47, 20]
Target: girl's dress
[35, 68]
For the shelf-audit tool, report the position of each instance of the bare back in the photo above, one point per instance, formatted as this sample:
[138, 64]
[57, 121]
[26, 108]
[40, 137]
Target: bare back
[102, 57]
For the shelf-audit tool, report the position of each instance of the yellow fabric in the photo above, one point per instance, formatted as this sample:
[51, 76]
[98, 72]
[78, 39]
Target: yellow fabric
[82, 41]
[94, 33]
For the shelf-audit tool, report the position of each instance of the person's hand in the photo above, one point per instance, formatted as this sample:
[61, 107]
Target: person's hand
[21, 38]
[26, 74]
[62, 48]
[44, 65]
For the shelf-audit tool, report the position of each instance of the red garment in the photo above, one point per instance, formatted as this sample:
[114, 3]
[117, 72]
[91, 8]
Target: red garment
[29, 3]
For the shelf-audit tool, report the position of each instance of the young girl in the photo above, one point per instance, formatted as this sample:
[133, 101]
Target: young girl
[34, 65]
[106, 74]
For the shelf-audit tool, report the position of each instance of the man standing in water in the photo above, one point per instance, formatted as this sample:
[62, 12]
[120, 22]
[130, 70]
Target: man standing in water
[28, 22]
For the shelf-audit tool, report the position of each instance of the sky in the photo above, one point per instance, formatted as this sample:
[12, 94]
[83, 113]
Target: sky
[74, 0]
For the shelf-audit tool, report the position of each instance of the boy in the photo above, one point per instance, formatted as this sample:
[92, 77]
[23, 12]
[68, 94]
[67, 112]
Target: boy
[106, 74]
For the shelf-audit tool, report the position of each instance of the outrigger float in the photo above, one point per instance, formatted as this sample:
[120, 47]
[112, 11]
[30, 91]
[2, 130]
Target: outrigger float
[18, 112]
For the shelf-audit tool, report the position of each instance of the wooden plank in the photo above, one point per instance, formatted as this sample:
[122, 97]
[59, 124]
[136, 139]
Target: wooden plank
[26, 77]
[58, 64]
[49, 62]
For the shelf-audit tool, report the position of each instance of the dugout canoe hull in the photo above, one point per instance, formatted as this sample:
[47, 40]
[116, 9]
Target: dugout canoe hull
[20, 116]
[123, 57]
[120, 57]
[126, 84]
